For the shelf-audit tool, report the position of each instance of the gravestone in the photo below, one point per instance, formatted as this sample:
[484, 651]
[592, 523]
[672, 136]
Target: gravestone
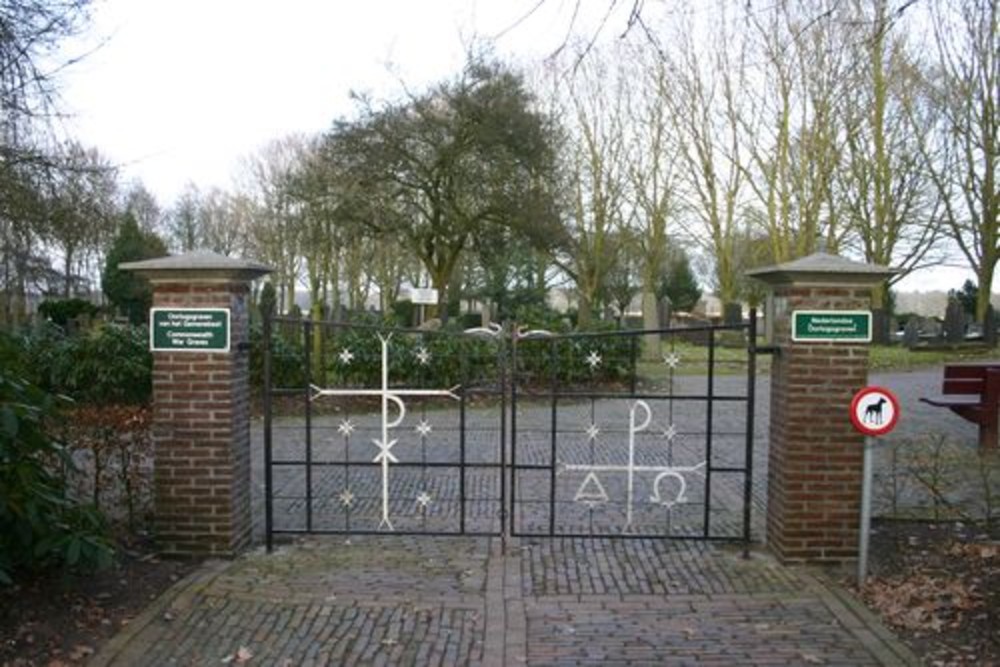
[931, 329]
[911, 334]
[664, 311]
[732, 314]
[954, 322]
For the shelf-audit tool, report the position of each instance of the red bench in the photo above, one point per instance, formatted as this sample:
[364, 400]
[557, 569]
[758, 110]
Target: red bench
[972, 391]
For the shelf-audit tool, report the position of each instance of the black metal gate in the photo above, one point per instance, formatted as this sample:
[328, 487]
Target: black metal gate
[493, 432]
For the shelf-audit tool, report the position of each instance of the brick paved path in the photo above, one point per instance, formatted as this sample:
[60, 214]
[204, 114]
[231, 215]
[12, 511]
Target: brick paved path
[462, 601]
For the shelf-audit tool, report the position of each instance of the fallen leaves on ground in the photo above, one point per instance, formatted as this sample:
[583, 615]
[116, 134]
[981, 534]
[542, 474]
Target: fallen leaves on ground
[241, 657]
[937, 585]
[922, 601]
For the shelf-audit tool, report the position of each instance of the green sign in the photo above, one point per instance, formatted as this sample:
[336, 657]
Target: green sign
[189, 329]
[841, 326]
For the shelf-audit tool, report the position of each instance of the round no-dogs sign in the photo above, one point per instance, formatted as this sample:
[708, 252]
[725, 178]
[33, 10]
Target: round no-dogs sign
[874, 411]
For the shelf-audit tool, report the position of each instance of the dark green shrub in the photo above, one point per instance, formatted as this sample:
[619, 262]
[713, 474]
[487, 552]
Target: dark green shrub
[470, 320]
[61, 311]
[39, 526]
[403, 313]
[287, 356]
[542, 317]
[111, 364]
[452, 358]
[564, 360]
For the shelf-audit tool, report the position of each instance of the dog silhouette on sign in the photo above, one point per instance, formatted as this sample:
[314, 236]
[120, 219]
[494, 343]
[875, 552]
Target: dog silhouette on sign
[873, 413]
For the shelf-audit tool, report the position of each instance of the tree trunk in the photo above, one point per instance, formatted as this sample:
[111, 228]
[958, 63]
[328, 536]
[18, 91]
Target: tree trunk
[650, 320]
[985, 278]
[67, 271]
[584, 316]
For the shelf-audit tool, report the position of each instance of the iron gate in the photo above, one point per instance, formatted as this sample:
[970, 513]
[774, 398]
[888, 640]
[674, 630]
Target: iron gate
[519, 432]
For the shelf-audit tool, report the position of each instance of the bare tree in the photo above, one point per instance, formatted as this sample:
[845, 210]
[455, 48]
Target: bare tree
[30, 33]
[182, 221]
[595, 179]
[790, 125]
[81, 211]
[275, 230]
[884, 183]
[963, 148]
[142, 205]
[709, 82]
[652, 177]
[222, 220]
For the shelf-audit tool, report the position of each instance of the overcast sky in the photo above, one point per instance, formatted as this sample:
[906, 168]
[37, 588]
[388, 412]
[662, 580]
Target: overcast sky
[179, 91]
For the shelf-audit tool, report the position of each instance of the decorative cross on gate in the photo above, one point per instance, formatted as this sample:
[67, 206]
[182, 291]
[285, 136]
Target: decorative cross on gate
[387, 395]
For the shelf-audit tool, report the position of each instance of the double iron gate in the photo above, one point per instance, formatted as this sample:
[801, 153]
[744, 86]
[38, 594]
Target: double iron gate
[508, 432]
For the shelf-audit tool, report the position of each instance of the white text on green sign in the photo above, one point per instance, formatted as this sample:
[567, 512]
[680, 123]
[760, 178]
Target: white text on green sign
[842, 326]
[189, 329]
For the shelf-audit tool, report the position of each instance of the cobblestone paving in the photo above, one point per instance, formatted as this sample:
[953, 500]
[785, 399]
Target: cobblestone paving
[769, 630]
[582, 567]
[389, 600]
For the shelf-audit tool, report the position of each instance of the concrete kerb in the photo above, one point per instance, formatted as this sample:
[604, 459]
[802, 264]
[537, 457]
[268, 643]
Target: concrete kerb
[860, 621]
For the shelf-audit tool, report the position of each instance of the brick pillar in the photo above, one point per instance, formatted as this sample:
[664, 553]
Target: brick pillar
[815, 455]
[201, 412]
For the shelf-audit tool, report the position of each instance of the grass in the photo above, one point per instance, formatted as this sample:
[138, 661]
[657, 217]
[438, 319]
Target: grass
[693, 359]
[899, 358]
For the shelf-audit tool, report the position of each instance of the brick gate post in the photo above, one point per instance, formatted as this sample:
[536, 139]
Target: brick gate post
[815, 455]
[199, 332]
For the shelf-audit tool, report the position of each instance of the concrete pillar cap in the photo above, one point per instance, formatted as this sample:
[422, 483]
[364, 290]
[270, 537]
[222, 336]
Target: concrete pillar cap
[822, 268]
[199, 265]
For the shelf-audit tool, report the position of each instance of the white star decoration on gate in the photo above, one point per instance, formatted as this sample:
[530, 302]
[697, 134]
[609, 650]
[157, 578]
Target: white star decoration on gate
[424, 499]
[670, 432]
[423, 356]
[423, 428]
[593, 359]
[346, 356]
[346, 428]
[671, 360]
[346, 498]
[592, 432]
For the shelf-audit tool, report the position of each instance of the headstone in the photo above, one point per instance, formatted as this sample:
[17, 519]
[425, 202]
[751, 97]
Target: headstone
[911, 334]
[732, 313]
[664, 311]
[930, 328]
[954, 322]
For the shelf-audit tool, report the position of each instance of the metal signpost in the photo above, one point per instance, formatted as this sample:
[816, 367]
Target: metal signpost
[874, 412]
[189, 329]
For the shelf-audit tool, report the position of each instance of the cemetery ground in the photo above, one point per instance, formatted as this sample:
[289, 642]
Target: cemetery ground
[935, 572]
